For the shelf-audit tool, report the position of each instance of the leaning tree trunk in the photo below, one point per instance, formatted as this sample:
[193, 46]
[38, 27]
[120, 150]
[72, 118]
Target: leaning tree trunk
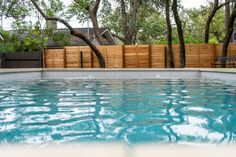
[229, 32]
[169, 34]
[180, 33]
[73, 32]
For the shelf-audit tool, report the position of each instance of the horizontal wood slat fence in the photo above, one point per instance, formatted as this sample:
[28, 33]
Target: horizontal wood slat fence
[133, 56]
[21, 60]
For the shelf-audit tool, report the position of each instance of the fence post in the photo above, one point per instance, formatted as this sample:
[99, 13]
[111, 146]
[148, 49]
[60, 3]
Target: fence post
[64, 57]
[81, 59]
[165, 54]
[150, 55]
[123, 56]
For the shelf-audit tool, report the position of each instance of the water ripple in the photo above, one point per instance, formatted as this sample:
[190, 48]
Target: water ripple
[133, 111]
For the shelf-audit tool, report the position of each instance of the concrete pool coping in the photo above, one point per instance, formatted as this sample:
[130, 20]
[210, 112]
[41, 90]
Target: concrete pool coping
[117, 150]
[59, 73]
[222, 70]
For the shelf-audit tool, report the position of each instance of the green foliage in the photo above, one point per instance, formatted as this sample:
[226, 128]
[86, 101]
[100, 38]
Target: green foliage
[80, 10]
[20, 40]
[151, 25]
[61, 39]
[8, 44]
[53, 7]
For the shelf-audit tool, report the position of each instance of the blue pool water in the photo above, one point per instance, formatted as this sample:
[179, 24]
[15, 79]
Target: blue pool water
[130, 111]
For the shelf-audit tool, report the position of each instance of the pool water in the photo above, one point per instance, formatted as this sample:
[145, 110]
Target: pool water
[131, 111]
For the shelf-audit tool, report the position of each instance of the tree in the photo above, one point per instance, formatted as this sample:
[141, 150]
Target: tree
[73, 32]
[169, 34]
[85, 8]
[180, 33]
[129, 29]
[216, 7]
[148, 28]
[151, 26]
[124, 20]
[229, 32]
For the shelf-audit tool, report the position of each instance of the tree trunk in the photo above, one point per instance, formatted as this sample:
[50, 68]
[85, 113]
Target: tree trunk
[124, 17]
[229, 32]
[180, 33]
[129, 28]
[73, 32]
[169, 34]
[209, 19]
[227, 13]
[93, 15]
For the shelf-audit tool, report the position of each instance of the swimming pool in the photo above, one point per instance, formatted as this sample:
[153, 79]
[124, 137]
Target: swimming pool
[48, 111]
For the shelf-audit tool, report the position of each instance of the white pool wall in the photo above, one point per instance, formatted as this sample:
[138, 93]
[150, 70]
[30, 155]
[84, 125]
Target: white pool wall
[24, 74]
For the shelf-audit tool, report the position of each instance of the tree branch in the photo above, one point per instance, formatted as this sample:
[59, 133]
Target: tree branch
[223, 4]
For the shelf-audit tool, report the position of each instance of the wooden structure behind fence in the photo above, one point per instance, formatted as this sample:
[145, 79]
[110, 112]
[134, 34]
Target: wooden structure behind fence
[133, 56]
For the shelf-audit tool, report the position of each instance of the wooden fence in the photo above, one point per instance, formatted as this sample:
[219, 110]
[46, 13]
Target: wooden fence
[21, 60]
[133, 56]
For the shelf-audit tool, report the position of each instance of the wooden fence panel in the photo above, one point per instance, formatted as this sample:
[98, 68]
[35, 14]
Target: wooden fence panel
[114, 56]
[72, 55]
[205, 55]
[86, 56]
[143, 56]
[134, 56]
[131, 57]
[231, 51]
[158, 56]
[54, 58]
[192, 56]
